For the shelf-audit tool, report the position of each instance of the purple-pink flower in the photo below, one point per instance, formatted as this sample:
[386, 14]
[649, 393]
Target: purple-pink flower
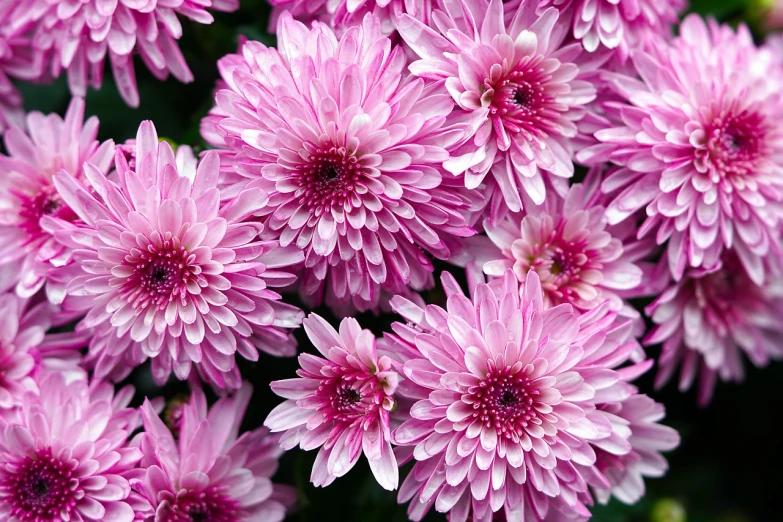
[348, 147]
[27, 191]
[700, 147]
[519, 86]
[624, 25]
[508, 394]
[164, 271]
[710, 319]
[77, 35]
[341, 403]
[64, 453]
[209, 471]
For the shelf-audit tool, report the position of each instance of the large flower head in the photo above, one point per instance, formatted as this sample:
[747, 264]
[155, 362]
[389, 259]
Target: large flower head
[26, 350]
[77, 35]
[508, 396]
[700, 147]
[519, 87]
[209, 472]
[624, 25]
[27, 191]
[164, 271]
[349, 149]
[64, 453]
[340, 403]
[708, 320]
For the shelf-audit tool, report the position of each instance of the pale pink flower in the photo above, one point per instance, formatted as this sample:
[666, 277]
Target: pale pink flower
[77, 35]
[637, 417]
[164, 271]
[210, 472]
[508, 395]
[624, 25]
[700, 147]
[348, 147]
[519, 86]
[340, 403]
[26, 350]
[27, 192]
[709, 319]
[63, 454]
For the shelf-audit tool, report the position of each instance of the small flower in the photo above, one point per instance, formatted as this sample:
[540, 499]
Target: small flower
[210, 472]
[164, 271]
[76, 36]
[348, 146]
[508, 395]
[709, 319]
[519, 86]
[63, 454]
[700, 147]
[27, 191]
[340, 403]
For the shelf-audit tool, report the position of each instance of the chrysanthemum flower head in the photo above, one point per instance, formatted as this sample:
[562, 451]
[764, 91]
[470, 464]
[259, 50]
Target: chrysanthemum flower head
[348, 147]
[164, 271]
[76, 36]
[700, 147]
[27, 191]
[710, 319]
[210, 472]
[341, 403]
[508, 394]
[518, 85]
[64, 452]
[624, 25]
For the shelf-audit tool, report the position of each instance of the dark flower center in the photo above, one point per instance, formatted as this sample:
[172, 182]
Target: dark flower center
[41, 488]
[735, 143]
[327, 178]
[209, 505]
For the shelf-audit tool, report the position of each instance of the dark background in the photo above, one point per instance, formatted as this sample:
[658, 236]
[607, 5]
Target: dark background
[729, 465]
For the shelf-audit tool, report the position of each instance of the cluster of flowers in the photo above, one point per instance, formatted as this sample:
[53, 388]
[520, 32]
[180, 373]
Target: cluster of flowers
[381, 135]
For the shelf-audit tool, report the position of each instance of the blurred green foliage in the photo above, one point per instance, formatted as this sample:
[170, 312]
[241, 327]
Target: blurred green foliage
[728, 466]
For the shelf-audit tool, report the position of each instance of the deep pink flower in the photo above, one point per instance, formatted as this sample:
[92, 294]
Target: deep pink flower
[709, 319]
[619, 24]
[164, 271]
[26, 350]
[508, 395]
[63, 454]
[77, 35]
[340, 403]
[210, 472]
[519, 86]
[348, 147]
[342, 14]
[700, 147]
[27, 190]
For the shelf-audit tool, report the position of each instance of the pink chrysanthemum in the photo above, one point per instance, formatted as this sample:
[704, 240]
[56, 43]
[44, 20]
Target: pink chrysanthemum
[708, 320]
[507, 418]
[619, 24]
[27, 190]
[340, 403]
[700, 147]
[164, 271]
[76, 36]
[519, 86]
[639, 416]
[342, 14]
[64, 452]
[210, 472]
[578, 258]
[348, 147]
[26, 350]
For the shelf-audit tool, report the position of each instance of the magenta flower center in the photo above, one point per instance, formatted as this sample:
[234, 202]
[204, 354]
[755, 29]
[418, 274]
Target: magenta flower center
[209, 505]
[558, 263]
[32, 209]
[735, 144]
[504, 401]
[40, 488]
[328, 178]
[161, 274]
[350, 396]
